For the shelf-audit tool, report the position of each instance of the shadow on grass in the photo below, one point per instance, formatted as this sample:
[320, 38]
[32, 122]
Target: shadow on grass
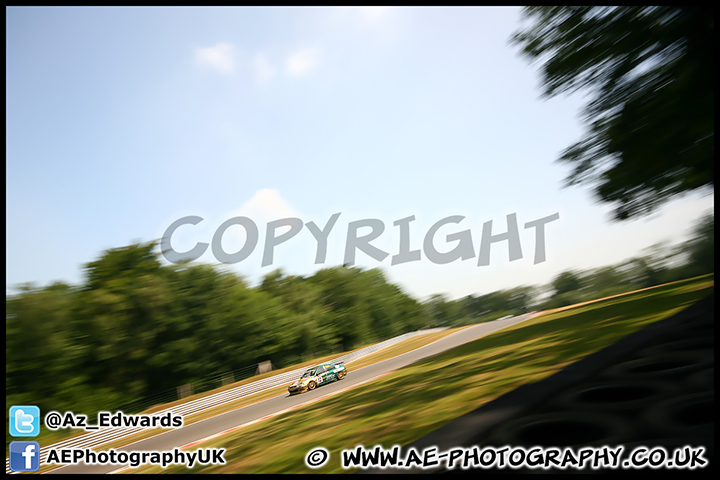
[402, 407]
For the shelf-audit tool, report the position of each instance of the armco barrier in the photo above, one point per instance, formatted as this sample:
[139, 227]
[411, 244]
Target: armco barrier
[106, 435]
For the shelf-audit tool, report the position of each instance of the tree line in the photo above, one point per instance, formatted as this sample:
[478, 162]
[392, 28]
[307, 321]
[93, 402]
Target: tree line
[136, 328]
[659, 264]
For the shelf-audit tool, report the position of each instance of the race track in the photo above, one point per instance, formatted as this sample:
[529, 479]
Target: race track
[199, 431]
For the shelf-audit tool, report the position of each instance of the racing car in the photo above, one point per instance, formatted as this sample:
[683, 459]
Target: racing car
[318, 375]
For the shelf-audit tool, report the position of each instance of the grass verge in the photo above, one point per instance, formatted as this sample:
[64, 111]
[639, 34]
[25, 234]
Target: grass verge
[411, 402]
[48, 437]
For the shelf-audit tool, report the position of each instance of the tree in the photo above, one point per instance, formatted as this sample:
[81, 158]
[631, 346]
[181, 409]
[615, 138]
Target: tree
[701, 247]
[122, 265]
[651, 117]
[567, 282]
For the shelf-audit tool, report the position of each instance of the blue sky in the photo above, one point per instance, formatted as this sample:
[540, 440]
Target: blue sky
[120, 121]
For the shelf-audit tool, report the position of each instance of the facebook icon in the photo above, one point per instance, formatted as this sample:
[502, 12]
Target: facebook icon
[24, 456]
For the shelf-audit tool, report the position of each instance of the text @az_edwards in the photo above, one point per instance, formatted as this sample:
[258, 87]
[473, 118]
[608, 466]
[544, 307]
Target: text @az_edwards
[55, 420]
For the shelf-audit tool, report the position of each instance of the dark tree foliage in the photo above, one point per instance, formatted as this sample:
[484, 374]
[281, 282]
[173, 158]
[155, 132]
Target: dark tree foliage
[137, 329]
[124, 263]
[649, 71]
[567, 282]
[701, 247]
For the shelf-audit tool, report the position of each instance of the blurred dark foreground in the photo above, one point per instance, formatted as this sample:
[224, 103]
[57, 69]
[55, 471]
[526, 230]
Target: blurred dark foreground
[654, 388]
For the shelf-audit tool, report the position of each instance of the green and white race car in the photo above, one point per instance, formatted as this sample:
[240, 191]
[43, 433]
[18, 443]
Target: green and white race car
[318, 375]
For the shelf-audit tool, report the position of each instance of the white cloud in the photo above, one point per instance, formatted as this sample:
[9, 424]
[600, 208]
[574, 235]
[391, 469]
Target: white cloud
[223, 58]
[373, 13]
[266, 205]
[220, 57]
[301, 62]
[263, 69]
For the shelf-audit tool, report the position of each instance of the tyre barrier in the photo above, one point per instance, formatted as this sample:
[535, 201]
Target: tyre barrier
[695, 344]
[567, 429]
[615, 396]
[661, 391]
[704, 379]
[660, 366]
[683, 415]
[652, 388]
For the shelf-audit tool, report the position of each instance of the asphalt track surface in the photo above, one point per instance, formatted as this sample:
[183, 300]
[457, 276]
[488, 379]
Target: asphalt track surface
[199, 431]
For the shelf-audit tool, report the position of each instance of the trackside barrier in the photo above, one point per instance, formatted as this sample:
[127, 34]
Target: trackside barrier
[110, 434]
